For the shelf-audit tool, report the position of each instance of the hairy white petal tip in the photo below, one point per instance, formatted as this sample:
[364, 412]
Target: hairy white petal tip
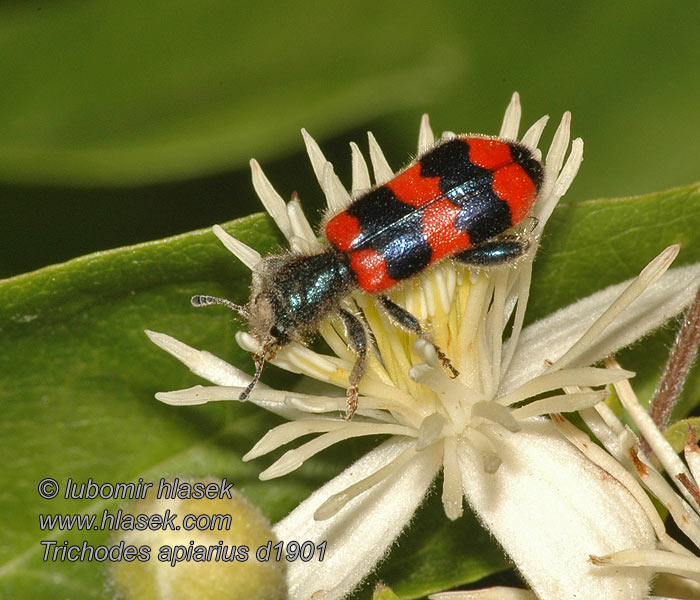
[426, 139]
[382, 170]
[361, 181]
[201, 362]
[300, 224]
[270, 199]
[166, 342]
[570, 170]
[337, 196]
[318, 160]
[177, 399]
[241, 251]
[560, 142]
[532, 135]
[511, 120]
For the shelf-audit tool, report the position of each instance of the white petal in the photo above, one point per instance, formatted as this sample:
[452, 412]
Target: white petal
[337, 196]
[584, 376]
[494, 593]
[452, 481]
[563, 403]
[337, 502]
[532, 135]
[551, 508]
[302, 246]
[241, 251]
[560, 142]
[380, 166]
[550, 337]
[636, 288]
[511, 120]
[247, 342]
[568, 173]
[201, 362]
[270, 199]
[362, 532]
[674, 586]
[293, 459]
[426, 139]
[273, 400]
[658, 560]
[618, 471]
[200, 394]
[300, 224]
[360, 174]
[218, 371]
[667, 456]
[290, 431]
[551, 194]
[316, 157]
[692, 457]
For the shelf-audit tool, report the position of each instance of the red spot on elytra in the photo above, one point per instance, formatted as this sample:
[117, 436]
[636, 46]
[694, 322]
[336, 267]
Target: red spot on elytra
[342, 230]
[370, 269]
[513, 185]
[410, 188]
[489, 154]
[440, 231]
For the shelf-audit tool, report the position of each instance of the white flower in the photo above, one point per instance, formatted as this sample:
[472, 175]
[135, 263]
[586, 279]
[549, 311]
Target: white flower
[682, 499]
[548, 505]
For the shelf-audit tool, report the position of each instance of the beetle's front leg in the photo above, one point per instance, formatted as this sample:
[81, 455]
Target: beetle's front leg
[358, 341]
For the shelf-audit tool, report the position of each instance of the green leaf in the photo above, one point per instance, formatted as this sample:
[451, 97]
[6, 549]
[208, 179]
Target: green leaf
[111, 92]
[383, 592]
[149, 99]
[677, 434]
[78, 378]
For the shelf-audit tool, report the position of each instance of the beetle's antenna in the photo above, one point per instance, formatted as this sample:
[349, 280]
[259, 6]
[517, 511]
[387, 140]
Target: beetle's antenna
[199, 301]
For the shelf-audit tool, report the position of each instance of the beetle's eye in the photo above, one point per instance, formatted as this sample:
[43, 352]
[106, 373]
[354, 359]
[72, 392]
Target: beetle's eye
[275, 332]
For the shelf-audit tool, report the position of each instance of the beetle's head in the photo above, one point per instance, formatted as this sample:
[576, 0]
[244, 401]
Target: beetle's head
[264, 319]
[265, 322]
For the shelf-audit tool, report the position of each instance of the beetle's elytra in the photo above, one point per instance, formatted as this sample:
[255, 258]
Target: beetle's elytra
[457, 200]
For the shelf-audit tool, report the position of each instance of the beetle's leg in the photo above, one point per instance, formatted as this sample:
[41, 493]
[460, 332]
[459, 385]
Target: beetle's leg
[404, 319]
[358, 341]
[496, 252]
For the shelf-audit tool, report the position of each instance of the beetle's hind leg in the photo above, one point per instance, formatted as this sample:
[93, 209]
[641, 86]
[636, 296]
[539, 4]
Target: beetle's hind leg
[497, 252]
[358, 341]
[404, 319]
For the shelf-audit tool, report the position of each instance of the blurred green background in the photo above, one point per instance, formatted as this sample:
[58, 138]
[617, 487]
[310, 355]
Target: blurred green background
[128, 121]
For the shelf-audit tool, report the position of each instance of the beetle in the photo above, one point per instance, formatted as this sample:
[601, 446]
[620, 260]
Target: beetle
[458, 200]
